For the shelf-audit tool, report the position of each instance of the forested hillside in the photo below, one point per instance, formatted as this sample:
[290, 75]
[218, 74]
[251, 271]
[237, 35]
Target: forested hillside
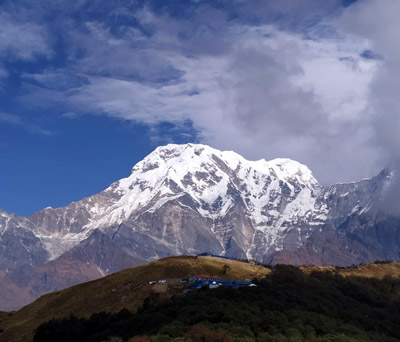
[287, 305]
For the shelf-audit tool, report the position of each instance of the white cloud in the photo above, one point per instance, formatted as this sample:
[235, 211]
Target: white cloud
[258, 90]
[378, 22]
[22, 40]
[16, 120]
[3, 72]
[10, 118]
[272, 94]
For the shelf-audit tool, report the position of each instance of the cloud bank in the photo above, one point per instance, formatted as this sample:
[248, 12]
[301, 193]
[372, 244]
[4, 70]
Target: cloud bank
[313, 81]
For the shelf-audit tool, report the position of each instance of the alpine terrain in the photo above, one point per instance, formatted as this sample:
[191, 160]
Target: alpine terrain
[189, 199]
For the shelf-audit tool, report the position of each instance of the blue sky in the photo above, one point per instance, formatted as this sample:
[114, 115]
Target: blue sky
[89, 88]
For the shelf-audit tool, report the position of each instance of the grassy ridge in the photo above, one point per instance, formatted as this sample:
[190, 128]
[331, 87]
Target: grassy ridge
[119, 290]
[123, 290]
[377, 270]
[287, 306]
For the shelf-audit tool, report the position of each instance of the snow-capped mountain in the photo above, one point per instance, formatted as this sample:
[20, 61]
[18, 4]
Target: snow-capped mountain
[187, 199]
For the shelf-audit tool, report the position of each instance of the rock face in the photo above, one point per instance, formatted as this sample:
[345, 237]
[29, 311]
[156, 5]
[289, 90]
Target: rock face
[188, 199]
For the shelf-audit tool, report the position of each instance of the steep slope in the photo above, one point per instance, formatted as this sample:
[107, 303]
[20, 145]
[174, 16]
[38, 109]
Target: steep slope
[214, 184]
[191, 184]
[187, 199]
[361, 226]
[287, 305]
[123, 289]
[19, 245]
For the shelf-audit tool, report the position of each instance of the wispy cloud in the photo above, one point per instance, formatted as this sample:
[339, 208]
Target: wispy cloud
[22, 40]
[16, 120]
[70, 115]
[268, 93]
[59, 80]
[264, 78]
[10, 118]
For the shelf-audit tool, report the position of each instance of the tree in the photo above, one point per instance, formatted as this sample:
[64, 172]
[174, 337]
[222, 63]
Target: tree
[226, 268]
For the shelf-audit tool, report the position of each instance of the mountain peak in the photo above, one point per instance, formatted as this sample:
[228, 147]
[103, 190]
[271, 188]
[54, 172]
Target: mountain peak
[187, 199]
[283, 168]
[392, 168]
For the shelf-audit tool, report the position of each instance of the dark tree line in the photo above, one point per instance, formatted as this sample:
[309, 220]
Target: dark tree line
[287, 305]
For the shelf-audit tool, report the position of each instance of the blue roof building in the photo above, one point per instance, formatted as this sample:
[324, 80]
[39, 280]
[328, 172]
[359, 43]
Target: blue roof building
[243, 283]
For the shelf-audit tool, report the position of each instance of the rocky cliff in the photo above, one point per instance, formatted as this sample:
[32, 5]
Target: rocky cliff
[187, 199]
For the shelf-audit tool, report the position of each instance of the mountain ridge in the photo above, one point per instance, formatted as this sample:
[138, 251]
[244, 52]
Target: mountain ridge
[130, 287]
[187, 199]
[125, 289]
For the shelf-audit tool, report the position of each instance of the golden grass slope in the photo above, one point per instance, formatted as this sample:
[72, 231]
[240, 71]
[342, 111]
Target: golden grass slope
[377, 270]
[120, 290]
[125, 289]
